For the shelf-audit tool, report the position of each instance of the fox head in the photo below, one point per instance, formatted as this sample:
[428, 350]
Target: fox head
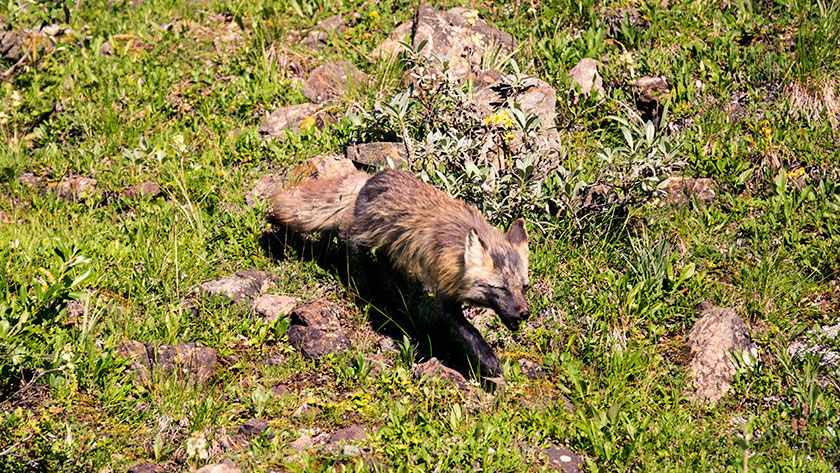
[496, 273]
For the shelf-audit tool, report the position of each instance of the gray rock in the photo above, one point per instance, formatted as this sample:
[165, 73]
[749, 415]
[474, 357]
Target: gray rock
[187, 359]
[649, 92]
[681, 190]
[252, 427]
[377, 154]
[329, 165]
[74, 188]
[329, 82]
[352, 433]
[146, 189]
[219, 468]
[320, 34]
[14, 45]
[302, 443]
[315, 331]
[263, 189]
[563, 458]
[457, 33]
[714, 337]
[531, 369]
[585, 75]
[435, 369]
[271, 307]
[351, 451]
[146, 468]
[240, 286]
[140, 362]
[194, 363]
[290, 118]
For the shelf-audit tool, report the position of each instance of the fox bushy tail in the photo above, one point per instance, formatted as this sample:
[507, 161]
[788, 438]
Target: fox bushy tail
[318, 204]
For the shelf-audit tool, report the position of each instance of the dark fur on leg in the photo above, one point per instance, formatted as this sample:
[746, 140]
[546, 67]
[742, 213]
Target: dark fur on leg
[453, 313]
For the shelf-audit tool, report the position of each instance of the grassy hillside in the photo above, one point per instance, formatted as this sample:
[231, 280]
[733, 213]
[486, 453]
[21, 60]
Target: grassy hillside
[175, 91]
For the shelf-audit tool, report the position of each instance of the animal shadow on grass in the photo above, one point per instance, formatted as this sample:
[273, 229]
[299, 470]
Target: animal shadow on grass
[395, 306]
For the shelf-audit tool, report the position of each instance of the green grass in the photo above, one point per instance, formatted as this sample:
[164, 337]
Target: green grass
[613, 294]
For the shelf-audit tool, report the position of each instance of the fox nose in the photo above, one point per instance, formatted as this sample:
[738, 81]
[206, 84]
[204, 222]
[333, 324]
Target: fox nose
[524, 315]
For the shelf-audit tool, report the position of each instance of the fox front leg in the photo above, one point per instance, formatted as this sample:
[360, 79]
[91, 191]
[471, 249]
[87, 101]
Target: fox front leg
[453, 313]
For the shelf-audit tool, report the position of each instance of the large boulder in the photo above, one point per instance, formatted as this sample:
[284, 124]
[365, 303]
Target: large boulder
[457, 33]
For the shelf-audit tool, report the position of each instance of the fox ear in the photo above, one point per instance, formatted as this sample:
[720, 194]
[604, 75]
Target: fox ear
[475, 255]
[517, 236]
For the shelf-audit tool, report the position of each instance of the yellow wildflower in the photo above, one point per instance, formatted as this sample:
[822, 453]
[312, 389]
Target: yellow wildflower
[501, 118]
[765, 127]
[471, 17]
[795, 173]
[374, 15]
[307, 122]
[508, 137]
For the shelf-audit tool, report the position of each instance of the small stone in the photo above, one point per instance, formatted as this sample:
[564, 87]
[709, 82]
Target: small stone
[530, 369]
[330, 165]
[563, 458]
[585, 75]
[146, 189]
[302, 443]
[329, 82]
[240, 286]
[279, 390]
[435, 369]
[263, 189]
[252, 427]
[351, 451]
[712, 340]
[146, 468]
[291, 118]
[456, 34]
[219, 468]
[352, 433]
[271, 307]
[320, 34]
[681, 190]
[378, 154]
[140, 362]
[649, 92]
[304, 410]
[74, 188]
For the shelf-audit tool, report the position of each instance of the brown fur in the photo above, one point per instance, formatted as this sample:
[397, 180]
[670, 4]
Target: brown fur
[444, 242]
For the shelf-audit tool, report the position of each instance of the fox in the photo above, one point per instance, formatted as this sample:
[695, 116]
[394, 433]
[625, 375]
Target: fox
[428, 235]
